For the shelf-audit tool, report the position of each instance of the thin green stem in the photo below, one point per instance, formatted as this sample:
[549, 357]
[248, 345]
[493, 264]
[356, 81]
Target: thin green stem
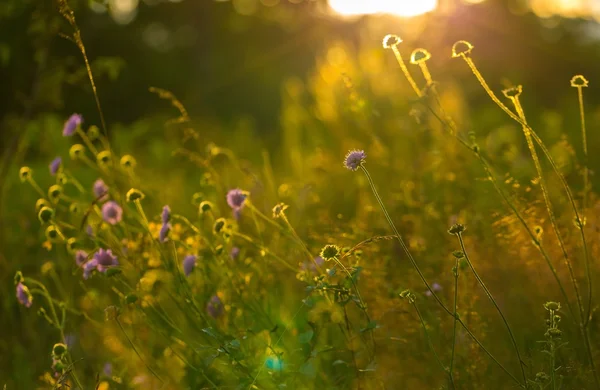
[136, 351]
[455, 272]
[430, 343]
[491, 297]
[423, 279]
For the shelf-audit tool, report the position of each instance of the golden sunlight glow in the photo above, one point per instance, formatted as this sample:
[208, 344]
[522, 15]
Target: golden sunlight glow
[393, 7]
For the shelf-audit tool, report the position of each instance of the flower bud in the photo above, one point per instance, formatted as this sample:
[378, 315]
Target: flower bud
[103, 158]
[128, 162]
[457, 228]
[25, 174]
[76, 151]
[45, 214]
[330, 252]
[134, 194]
[54, 193]
[59, 350]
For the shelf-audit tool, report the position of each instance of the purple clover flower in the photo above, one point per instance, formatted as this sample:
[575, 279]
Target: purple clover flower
[189, 262]
[71, 125]
[214, 307]
[166, 215]
[55, 165]
[23, 295]
[88, 267]
[105, 259]
[354, 159]
[236, 199]
[164, 232]
[112, 212]
[100, 190]
[80, 257]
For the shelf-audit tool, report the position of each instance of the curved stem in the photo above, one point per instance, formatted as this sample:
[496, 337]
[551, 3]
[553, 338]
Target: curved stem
[490, 296]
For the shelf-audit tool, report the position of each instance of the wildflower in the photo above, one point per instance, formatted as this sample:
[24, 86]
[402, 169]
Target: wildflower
[214, 307]
[391, 40]
[189, 262]
[219, 225]
[100, 190]
[88, 267]
[579, 81]
[205, 206]
[53, 234]
[89, 230]
[104, 259]
[354, 159]
[103, 157]
[80, 257]
[236, 199]
[552, 306]
[23, 295]
[461, 48]
[41, 203]
[434, 287]
[70, 340]
[54, 193]
[93, 132]
[330, 252]
[164, 232]
[457, 228]
[166, 215]
[234, 253]
[112, 212]
[55, 165]
[72, 124]
[312, 266]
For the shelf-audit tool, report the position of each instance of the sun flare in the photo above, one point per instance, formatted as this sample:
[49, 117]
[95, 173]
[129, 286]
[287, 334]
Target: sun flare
[404, 8]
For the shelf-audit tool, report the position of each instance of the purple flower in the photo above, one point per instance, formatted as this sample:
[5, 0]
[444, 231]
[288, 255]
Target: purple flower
[23, 295]
[89, 230]
[80, 257]
[112, 212]
[434, 287]
[312, 265]
[88, 267]
[164, 232]
[105, 259]
[189, 262]
[107, 369]
[55, 165]
[354, 159]
[235, 252]
[214, 307]
[166, 215]
[236, 199]
[100, 189]
[71, 125]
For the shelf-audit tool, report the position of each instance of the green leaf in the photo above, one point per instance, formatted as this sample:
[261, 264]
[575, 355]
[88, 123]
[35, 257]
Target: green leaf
[306, 336]
[308, 369]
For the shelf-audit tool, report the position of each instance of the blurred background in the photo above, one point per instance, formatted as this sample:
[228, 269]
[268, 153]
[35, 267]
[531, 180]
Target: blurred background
[244, 69]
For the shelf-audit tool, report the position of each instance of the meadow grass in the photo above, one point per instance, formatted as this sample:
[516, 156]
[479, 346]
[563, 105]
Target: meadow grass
[410, 263]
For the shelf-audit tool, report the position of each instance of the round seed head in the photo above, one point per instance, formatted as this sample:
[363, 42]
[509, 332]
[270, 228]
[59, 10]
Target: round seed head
[461, 48]
[457, 228]
[419, 56]
[579, 81]
[390, 41]
[59, 350]
[71, 244]
[76, 151]
[74, 208]
[330, 252]
[41, 203]
[279, 209]
[513, 92]
[61, 178]
[52, 233]
[93, 132]
[103, 158]
[197, 198]
[24, 174]
[54, 193]
[552, 306]
[134, 194]
[19, 278]
[205, 207]
[128, 161]
[219, 225]
[45, 214]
